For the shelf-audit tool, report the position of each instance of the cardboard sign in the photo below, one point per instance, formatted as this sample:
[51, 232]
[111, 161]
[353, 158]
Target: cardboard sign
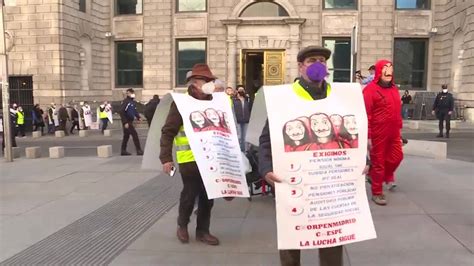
[319, 149]
[211, 131]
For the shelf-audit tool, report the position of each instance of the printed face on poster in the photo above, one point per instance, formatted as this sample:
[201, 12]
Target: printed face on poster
[212, 135]
[319, 149]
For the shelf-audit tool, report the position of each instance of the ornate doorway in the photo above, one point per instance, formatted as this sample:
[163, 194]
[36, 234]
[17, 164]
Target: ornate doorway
[271, 38]
[261, 67]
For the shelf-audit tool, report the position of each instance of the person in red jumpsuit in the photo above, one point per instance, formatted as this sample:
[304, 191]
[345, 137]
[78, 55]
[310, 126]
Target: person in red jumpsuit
[382, 103]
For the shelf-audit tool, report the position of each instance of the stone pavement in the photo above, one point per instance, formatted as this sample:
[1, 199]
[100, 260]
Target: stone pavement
[460, 144]
[429, 219]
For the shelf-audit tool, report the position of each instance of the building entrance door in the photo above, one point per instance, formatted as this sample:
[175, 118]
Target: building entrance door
[261, 67]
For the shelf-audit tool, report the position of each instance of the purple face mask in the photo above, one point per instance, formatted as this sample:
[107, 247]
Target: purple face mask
[317, 72]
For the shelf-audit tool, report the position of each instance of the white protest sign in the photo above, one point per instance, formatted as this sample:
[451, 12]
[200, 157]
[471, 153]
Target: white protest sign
[211, 131]
[319, 149]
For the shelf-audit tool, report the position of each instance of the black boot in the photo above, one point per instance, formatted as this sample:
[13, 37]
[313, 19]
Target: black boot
[440, 135]
[447, 134]
[125, 153]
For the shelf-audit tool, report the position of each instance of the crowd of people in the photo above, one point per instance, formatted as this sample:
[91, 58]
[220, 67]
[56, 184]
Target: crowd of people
[383, 105]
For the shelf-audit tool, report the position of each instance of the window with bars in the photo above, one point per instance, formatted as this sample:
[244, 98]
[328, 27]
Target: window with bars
[128, 7]
[129, 64]
[340, 4]
[410, 60]
[412, 4]
[339, 64]
[82, 6]
[191, 5]
[188, 53]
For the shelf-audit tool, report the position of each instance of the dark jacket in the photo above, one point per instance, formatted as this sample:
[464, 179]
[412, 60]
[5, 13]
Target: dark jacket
[62, 114]
[242, 113]
[37, 115]
[128, 111]
[444, 102]
[265, 164]
[150, 108]
[74, 115]
[170, 129]
[406, 99]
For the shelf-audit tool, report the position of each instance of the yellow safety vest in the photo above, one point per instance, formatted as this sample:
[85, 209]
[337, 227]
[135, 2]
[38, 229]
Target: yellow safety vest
[184, 154]
[301, 92]
[20, 118]
[102, 114]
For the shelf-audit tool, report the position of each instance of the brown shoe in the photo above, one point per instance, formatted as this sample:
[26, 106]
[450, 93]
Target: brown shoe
[207, 239]
[183, 235]
[379, 199]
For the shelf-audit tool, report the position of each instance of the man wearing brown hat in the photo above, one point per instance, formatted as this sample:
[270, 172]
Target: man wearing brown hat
[193, 187]
[311, 86]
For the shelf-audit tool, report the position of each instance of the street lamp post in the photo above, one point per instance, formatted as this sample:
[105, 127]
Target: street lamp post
[6, 97]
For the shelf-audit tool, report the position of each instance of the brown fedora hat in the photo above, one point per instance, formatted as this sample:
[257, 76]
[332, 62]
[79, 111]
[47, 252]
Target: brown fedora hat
[201, 70]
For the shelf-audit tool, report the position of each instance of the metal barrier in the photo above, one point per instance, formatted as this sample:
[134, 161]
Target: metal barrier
[422, 106]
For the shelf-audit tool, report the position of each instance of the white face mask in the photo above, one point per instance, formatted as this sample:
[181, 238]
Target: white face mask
[445, 90]
[132, 95]
[208, 88]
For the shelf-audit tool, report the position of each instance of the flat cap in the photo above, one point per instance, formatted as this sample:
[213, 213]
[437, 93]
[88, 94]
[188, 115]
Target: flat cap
[311, 51]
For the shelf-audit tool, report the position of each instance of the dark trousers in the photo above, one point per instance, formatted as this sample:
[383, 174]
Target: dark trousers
[20, 130]
[443, 115]
[148, 120]
[62, 126]
[126, 135]
[75, 124]
[39, 126]
[327, 257]
[105, 123]
[12, 137]
[194, 187]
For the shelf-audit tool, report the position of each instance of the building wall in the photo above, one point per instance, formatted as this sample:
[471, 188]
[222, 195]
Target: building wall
[51, 34]
[453, 52]
[47, 45]
[86, 52]
[35, 50]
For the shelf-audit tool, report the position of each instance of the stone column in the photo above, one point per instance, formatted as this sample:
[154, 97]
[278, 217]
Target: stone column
[294, 48]
[231, 63]
[295, 38]
[231, 77]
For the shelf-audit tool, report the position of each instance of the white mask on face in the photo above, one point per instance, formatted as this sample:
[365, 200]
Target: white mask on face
[132, 95]
[445, 90]
[208, 88]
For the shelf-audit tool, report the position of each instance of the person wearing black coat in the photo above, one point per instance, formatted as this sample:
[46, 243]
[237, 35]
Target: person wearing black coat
[150, 108]
[242, 109]
[128, 112]
[38, 121]
[63, 117]
[443, 109]
[74, 119]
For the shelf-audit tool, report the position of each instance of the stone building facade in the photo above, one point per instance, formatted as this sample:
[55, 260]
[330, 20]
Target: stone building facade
[70, 47]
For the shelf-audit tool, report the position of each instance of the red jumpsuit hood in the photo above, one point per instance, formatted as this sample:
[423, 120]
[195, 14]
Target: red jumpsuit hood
[378, 70]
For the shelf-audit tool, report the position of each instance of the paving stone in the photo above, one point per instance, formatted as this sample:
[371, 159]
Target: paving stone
[33, 152]
[36, 134]
[83, 133]
[104, 151]
[59, 134]
[56, 152]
